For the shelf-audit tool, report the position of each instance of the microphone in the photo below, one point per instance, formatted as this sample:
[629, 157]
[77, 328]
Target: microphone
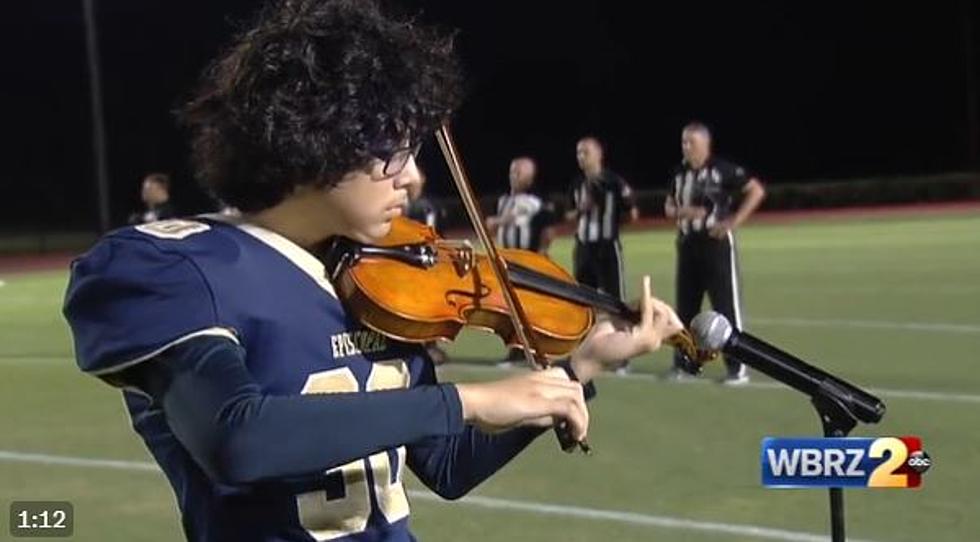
[714, 332]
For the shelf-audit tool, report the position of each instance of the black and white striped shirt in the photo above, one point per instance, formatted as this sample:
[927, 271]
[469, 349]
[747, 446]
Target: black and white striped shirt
[716, 186]
[600, 203]
[517, 212]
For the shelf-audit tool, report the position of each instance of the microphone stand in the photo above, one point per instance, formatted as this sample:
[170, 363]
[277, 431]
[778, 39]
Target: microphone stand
[839, 404]
[837, 421]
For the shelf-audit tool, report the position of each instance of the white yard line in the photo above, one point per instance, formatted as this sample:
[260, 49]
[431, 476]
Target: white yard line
[493, 503]
[939, 327]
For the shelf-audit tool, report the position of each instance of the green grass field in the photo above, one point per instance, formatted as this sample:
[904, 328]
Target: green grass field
[892, 304]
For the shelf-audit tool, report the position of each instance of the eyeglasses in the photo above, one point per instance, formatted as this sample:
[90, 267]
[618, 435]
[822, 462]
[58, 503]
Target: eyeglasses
[397, 160]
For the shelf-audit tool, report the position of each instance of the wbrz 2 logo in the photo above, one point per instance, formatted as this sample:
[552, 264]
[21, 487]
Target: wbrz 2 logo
[896, 462]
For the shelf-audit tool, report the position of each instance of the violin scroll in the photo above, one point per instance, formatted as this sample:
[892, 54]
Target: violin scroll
[693, 357]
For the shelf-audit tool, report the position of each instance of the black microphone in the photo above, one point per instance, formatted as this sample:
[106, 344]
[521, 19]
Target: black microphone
[714, 332]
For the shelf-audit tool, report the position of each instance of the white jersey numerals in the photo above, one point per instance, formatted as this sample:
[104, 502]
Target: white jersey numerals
[173, 229]
[325, 518]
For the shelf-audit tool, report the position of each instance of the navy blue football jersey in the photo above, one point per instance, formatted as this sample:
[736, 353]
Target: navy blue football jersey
[144, 289]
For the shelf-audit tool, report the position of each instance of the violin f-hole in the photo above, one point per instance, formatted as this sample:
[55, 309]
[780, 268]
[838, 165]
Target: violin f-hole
[479, 293]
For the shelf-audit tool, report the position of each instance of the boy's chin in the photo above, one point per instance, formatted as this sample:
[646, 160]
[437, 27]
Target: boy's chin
[372, 234]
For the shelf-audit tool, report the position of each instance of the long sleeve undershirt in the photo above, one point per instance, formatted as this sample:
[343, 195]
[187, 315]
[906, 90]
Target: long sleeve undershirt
[240, 435]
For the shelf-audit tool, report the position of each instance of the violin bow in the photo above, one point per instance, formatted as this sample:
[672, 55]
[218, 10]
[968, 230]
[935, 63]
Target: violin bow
[519, 318]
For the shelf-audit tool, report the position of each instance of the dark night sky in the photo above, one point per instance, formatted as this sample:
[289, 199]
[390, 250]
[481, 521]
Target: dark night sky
[794, 90]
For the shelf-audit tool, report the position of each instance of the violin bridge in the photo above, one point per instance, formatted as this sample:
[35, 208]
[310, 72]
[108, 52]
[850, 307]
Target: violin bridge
[462, 254]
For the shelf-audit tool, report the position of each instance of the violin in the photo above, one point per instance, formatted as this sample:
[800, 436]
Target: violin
[444, 285]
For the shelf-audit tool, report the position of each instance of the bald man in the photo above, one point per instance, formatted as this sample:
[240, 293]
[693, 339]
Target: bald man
[522, 221]
[709, 200]
[522, 218]
[600, 199]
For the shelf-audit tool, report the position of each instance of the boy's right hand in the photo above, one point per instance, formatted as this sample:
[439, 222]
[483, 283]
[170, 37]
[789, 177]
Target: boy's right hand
[539, 398]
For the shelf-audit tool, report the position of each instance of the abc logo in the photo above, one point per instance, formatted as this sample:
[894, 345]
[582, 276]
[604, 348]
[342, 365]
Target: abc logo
[919, 461]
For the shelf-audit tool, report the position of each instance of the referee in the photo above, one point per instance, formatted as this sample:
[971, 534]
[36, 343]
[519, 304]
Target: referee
[709, 199]
[522, 220]
[599, 200]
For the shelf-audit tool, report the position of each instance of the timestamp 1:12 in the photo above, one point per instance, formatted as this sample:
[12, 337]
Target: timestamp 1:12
[48, 520]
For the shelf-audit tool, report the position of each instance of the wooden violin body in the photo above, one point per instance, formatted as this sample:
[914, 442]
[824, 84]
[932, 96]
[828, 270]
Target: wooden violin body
[417, 287]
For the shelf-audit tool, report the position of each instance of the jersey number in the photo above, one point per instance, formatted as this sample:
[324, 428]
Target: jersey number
[325, 516]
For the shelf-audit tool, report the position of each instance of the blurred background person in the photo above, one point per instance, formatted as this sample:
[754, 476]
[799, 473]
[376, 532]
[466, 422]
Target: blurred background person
[227, 210]
[600, 200]
[544, 224]
[422, 209]
[515, 223]
[522, 221]
[155, 193]
[709, 198]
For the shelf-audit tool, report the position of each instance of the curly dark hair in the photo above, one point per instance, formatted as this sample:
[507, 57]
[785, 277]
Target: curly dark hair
[315, 89]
